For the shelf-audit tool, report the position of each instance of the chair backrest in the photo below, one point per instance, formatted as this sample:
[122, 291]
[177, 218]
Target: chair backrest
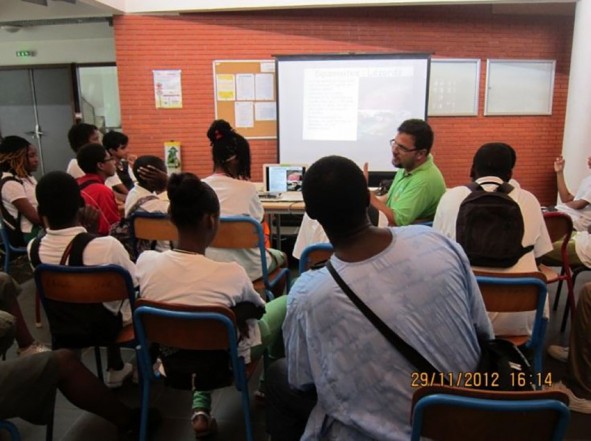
[451, 413]
[152, 226]
[559, 225]
[185, 327]
[236, 232]
[84, 284]
[516, 292]
[512, 292]
[314, 254]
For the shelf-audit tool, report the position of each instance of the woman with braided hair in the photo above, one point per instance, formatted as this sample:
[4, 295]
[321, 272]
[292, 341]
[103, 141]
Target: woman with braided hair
[18, 159]
[237, 195]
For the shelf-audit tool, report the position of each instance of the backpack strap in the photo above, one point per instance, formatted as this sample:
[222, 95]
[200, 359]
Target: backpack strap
[505, 187]
[75, 249]
[10, 221]
[89, 183]
[138, 204]
[34, 252]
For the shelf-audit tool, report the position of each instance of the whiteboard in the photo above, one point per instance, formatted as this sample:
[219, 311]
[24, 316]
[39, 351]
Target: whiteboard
[453, 87]
[519, 87]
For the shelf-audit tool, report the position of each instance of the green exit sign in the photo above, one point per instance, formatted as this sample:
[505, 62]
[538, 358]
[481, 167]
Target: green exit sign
[25, 53]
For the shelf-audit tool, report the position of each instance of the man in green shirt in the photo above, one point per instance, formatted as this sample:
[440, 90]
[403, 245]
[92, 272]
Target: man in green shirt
[418, 184]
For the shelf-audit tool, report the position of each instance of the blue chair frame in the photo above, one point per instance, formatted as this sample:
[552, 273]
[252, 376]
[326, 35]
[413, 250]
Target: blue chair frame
[245, 241]
[77, 291]
[507, 280]
[495, 403]
[307, 257]
[170, 314]
[8, 248]
[11, 429]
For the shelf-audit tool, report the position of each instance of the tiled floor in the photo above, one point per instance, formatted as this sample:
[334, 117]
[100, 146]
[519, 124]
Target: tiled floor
[71, 424]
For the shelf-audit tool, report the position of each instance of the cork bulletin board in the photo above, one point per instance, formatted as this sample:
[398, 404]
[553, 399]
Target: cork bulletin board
[245, 95]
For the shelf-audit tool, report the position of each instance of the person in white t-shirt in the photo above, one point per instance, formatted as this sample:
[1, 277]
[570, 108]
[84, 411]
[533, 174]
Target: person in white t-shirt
[186, 276]
[18, 160]
[577, 206]
[492, 166]
[78, 136]
[59, 205]
[237, 195]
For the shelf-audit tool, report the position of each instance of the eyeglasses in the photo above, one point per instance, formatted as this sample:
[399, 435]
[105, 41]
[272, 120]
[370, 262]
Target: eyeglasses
[110, 158]
[395, 145]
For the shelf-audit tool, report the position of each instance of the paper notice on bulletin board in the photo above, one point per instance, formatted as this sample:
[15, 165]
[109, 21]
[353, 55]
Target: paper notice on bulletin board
[167, 89]
[172, 155]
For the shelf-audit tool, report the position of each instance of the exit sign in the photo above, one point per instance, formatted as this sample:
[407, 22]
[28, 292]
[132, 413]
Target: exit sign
[25, 53]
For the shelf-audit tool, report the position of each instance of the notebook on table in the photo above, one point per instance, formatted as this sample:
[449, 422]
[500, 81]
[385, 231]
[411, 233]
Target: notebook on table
[283, 182]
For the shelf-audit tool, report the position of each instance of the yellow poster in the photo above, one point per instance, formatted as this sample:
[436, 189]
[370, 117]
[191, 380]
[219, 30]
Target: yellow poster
[172, 155]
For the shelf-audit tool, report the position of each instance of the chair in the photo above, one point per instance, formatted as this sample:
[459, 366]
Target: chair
[87, 285]
[191, 328]
[560, 228]
[11, 429]
[151, 226]
[460, 414]
[240, 232]
[314, 254]
[518, 292]
[8, 251]
[8, 248]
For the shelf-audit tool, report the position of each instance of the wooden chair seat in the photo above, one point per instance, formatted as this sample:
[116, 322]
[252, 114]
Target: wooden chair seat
[551, 275]
[127, 335]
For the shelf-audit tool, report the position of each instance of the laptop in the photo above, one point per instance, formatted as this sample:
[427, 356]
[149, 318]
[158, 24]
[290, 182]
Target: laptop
[283, 182]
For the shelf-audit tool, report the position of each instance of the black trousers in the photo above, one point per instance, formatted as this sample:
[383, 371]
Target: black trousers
[287, 409]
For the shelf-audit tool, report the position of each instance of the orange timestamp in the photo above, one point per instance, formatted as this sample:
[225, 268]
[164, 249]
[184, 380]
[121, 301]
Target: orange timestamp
[479, 380]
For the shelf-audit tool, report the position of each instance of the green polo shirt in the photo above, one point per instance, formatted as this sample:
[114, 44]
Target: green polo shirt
[415, 195]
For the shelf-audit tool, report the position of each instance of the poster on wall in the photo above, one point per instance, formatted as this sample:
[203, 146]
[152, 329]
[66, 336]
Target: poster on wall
[172, 157]
[167, 89]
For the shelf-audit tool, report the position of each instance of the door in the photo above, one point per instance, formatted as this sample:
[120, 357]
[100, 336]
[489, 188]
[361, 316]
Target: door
[37, 104]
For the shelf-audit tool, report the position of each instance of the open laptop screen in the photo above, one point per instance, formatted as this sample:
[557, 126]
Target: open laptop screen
[283, 177]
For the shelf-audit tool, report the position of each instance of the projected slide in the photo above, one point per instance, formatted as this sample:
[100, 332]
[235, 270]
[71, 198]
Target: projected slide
[347, 105]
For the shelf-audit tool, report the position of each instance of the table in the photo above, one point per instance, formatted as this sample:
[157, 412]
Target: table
[275, 208]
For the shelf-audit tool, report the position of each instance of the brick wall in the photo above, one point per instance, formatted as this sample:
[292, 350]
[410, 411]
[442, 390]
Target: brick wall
[192, 42]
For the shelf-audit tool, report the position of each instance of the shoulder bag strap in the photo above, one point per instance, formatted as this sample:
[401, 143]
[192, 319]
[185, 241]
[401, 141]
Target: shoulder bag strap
[34, 252]
[12, 222]
[411, 354]
[138, 204]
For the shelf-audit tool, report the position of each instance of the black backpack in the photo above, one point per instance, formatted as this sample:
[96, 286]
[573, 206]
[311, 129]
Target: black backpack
[490, 227]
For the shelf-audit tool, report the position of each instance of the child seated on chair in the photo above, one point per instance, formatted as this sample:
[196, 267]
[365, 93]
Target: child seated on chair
[185, 276]
[59, 203]
[237, 195]
[18, 160]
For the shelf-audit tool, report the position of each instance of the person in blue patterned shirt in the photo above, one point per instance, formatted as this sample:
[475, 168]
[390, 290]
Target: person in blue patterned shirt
[338, 367]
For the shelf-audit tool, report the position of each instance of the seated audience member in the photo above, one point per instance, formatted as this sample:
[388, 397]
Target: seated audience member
[418, 184]
[98, 165]
[577, 384]
[578, 206]
[311, 232]
[9, 290]
[185, 276]
[18, 159]
[59, 203]
[363, 384]
[491, 167]
[237, 195]
[116, 144]
[150, 193]
[29, 388]
[78, 136]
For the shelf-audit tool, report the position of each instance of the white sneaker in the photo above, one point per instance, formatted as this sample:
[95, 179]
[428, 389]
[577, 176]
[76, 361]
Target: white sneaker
[559, 353]
[115, 378]
[33, 348]
[575, 404]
